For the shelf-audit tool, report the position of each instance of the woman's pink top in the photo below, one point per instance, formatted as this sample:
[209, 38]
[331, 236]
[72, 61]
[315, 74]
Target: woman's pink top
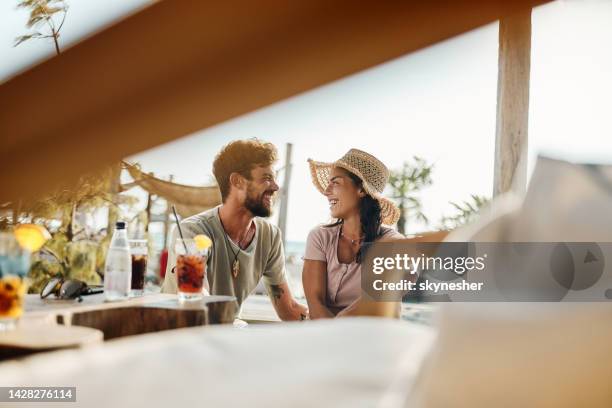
[343, 280]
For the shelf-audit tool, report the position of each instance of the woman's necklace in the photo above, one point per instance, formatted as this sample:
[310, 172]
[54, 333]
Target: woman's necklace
[236, 263]
[353, 241]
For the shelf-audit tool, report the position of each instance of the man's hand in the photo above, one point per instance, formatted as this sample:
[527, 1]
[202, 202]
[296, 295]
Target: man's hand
[285, 305]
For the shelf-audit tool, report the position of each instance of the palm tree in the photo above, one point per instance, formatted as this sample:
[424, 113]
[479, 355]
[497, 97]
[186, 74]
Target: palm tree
[467, 212]
[46, 17]
[405, 183]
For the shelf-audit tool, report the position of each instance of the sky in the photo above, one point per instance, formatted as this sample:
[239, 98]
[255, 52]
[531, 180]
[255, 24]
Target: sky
[438, 104]
[84, 18]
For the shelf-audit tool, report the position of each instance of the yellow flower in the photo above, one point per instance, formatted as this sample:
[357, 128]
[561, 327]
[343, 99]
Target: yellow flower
[12, 294]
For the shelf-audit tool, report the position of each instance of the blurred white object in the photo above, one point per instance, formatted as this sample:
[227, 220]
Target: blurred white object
[527, 354]
[519, 355]
[327, 363]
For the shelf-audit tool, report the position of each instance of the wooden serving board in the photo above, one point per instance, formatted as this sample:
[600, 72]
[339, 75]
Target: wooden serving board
[26, 339]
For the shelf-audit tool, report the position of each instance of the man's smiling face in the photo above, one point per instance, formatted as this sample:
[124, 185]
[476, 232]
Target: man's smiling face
[261, 191]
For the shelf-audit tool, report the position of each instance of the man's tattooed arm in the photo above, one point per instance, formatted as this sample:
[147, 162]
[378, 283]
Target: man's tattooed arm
[285, 305]
[277, 292]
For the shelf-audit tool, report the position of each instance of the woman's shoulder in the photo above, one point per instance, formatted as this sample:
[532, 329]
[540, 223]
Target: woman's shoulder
[319, 244]
[323, 232]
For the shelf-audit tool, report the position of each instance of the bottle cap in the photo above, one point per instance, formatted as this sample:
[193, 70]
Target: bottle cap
[120, 225]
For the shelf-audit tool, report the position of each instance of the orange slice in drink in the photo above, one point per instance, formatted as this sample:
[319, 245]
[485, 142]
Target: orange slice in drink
[31, 236]
[202, 242]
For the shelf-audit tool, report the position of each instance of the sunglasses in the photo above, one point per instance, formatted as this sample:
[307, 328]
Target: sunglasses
[67, 289]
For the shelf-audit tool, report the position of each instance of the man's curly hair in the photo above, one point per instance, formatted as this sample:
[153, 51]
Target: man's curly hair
[241, 156]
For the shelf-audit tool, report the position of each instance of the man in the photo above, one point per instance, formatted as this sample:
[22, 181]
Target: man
[245, 246]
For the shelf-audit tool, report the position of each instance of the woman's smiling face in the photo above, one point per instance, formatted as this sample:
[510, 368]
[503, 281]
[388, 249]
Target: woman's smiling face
[343, 194]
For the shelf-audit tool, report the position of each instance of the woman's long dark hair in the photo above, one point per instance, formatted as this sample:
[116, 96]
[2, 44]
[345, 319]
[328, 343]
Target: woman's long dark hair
[369, 216]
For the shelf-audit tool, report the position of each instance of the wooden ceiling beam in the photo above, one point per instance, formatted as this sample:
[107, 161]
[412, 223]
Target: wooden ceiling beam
[179, 66]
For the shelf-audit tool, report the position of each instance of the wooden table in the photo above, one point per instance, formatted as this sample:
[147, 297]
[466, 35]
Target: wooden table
[49, 324]
[138, 315]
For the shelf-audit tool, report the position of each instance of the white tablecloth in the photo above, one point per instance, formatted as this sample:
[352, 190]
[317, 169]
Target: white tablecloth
[334, 363]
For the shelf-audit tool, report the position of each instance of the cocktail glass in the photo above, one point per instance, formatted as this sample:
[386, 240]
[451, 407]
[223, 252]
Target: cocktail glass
[14, 265]
[190, 269]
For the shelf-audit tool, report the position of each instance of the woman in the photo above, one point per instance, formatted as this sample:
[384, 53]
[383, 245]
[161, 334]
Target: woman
[332, 262]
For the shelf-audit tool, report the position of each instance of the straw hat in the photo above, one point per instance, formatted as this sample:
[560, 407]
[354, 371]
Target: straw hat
[369, 169]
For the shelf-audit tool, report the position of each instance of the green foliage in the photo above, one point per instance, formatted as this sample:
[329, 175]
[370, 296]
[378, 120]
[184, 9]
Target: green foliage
[466, 212]
[49, 262]
[46, 18]
[60, 257]
[88, 193]
[72, 253]
[405, 184]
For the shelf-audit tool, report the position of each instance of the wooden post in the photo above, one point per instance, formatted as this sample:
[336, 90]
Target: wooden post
[167, 217]
[148, 209]
[512, 103]
[282, 218]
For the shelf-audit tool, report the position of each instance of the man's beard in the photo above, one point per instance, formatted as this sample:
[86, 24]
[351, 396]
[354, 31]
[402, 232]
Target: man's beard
[256, 205]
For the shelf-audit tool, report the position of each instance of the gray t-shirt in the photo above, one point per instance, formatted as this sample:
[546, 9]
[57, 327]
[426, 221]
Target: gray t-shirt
[264, 257]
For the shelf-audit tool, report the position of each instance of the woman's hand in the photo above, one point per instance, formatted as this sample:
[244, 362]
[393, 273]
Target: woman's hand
[314, 279]
[350, 310]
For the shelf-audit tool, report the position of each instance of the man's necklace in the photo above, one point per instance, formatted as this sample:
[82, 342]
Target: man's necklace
[236, 263]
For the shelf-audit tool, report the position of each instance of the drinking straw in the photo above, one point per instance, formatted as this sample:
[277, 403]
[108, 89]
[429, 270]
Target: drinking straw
[178, 224]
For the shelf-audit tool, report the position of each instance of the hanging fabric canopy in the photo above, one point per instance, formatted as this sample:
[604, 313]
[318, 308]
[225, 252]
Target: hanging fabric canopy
[188, 200]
